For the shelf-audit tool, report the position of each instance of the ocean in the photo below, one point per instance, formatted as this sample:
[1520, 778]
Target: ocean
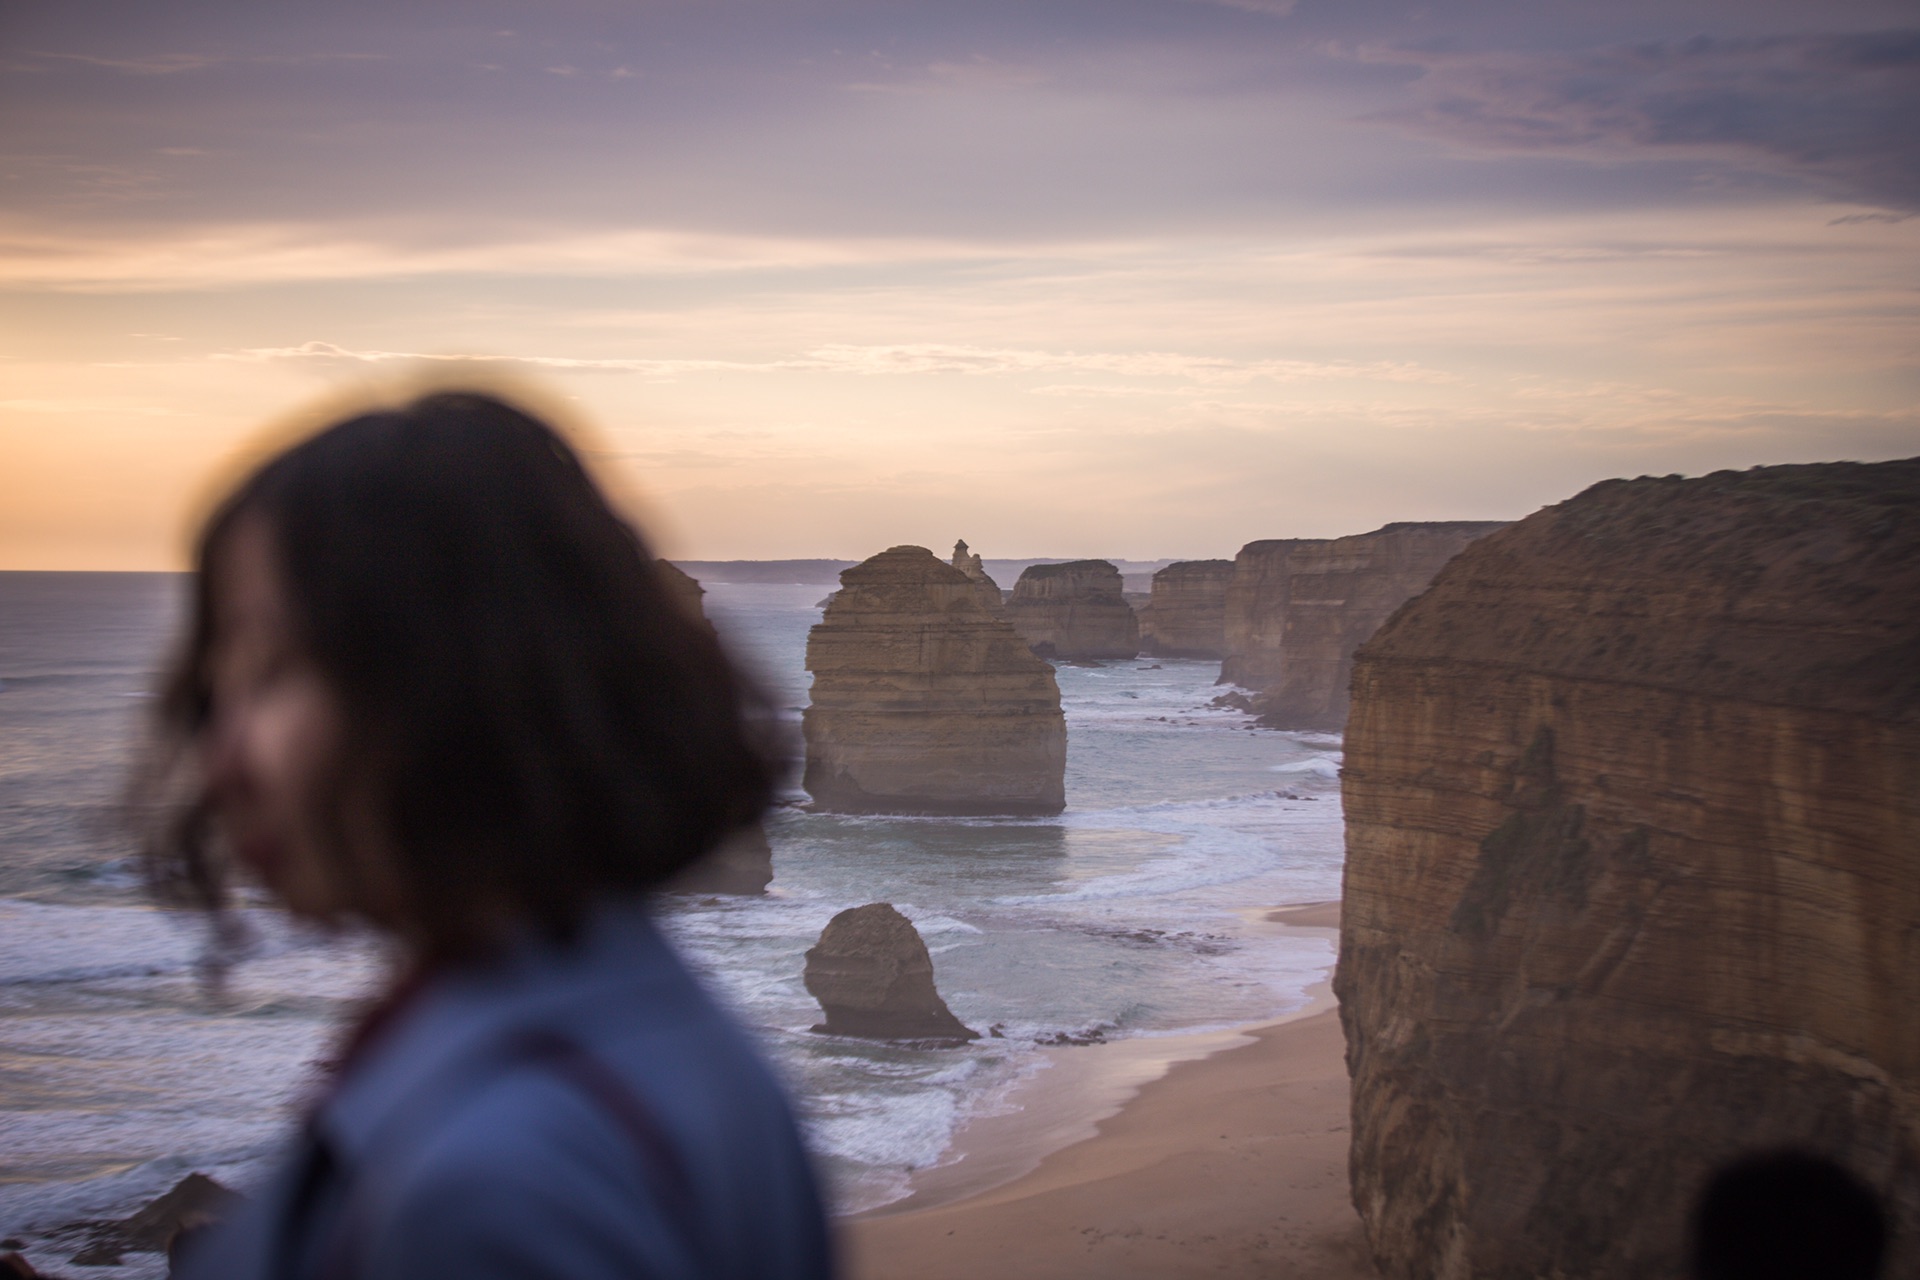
[1136, 913]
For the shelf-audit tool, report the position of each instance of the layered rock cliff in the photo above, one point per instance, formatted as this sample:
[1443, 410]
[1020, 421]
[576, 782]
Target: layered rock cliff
[872, 975]
[925, 701]
[1186, 615]
[1297, 608]
[1633, 873]
[1074, 610]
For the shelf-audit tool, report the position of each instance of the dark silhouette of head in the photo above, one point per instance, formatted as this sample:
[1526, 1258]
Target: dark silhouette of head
[1787, 1215]
[531, 719]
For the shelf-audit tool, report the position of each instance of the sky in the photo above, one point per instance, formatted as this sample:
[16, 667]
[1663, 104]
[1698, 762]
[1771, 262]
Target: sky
[1126, 278]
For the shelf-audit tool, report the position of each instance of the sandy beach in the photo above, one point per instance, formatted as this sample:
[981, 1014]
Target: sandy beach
[1232, 1162]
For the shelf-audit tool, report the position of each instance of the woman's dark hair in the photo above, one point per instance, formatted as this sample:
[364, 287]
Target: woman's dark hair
[1789, 1215]
[535, 720]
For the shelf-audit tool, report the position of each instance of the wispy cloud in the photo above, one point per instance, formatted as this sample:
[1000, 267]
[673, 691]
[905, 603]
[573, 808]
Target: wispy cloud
[911, 359]
[39, 255]
[1838, 110]
[154, 64]
[327, 352]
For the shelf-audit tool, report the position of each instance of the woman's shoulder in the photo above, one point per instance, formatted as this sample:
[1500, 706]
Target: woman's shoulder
[605, 1110]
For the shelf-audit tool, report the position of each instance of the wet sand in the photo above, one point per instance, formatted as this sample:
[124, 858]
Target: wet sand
[1232, 1162]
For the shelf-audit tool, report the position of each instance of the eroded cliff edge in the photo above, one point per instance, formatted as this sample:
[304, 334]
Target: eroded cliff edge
[1298, 608]
[926, 701]
[1633, 881]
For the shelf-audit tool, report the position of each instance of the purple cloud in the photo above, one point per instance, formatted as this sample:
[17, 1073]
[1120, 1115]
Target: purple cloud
[1836, 110]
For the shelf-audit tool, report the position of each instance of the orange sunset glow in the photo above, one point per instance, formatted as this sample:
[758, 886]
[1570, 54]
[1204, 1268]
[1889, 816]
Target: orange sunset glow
[1134, 280]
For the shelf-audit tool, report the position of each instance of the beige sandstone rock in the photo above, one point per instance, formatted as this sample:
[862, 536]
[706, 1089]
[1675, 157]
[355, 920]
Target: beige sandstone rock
[872, 975]
[985, 589]
[1186, 617]
[1633, 871]
[925, 701]
[1074, 610]
[1297, 608]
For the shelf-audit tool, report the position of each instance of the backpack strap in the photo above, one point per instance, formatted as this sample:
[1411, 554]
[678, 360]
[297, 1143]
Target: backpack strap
[572, 1062]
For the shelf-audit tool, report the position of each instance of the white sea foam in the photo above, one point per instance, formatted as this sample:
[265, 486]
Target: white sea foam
[1124, 916]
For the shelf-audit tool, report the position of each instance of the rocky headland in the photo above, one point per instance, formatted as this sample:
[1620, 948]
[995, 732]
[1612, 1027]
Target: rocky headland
[1297, 608]
[1186, 615]
[1075, 610]
[872, 975]
[926, 701]
[1633, 882]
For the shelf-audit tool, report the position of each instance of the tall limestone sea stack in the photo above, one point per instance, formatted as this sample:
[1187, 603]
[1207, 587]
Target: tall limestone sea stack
[1186, 617]
[1075, 610]
[925, 701]
[1633, 871]
[1297, 608]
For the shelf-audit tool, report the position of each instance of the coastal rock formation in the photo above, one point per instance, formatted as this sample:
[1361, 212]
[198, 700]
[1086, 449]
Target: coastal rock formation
[1297, 608]
[193, 1202]
[925, 701]
[873, 978]
[1074, 610]
[1633, 882]
[985, 589]
[1186, 617]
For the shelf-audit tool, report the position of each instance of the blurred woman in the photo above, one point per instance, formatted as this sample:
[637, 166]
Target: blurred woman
[434, 685]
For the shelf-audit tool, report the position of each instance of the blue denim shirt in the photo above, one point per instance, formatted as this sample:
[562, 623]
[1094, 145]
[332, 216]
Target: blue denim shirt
[577, 1113]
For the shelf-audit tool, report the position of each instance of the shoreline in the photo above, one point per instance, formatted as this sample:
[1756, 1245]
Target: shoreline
[1181, 1155]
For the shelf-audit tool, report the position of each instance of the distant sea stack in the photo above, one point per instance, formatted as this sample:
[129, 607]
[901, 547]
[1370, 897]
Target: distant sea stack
[925, 701]
[1633, 871]
[872, 975]
[1186, 617]
[985, 589]
[1297, 608]
[1075, 610]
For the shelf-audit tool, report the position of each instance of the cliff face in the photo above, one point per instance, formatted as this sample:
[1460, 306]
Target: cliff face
[1297, 608]
[926, 702]
[1186, 616]
[1074, 610]
[1633, 880]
